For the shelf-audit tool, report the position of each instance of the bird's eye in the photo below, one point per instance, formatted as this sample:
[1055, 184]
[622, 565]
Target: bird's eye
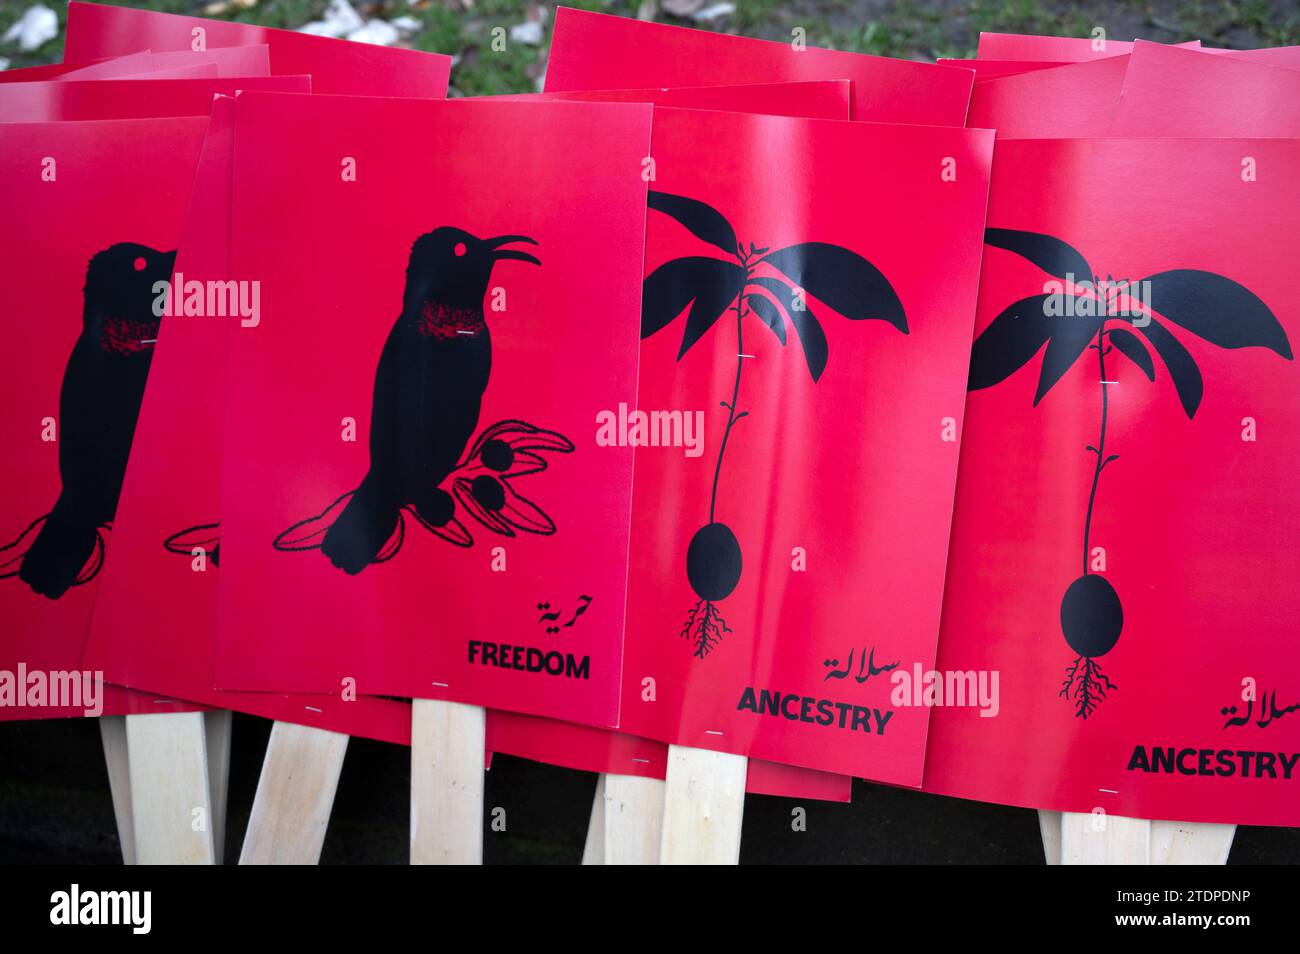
[139, 263]
[458, 249]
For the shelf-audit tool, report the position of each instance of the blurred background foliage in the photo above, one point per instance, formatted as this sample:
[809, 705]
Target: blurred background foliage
[904, 28]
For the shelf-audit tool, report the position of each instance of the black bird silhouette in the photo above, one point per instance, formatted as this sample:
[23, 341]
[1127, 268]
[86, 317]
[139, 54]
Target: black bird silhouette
[99, 402]
[428, 388]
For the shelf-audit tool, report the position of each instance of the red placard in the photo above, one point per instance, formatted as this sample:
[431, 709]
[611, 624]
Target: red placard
[597, 51]
[336, 66]
[817, 99]
[824, 455]
[1069, 102]
[101, 69]
[155, 619]
[1124, 547]
[194, 71]
[1062, 49]
[993, 69]
[129, 99]
[590, 749]
[412, 465]
[230, 61]
[94, 215]
[1172, 93]
[1287, 57]
[600, 750]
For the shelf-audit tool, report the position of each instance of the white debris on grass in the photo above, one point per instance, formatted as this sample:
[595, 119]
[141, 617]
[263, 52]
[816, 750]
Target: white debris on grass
[340, 20]
[36, 27]
[378, 32]
[407, 24]
[528, 32]
[715, 11]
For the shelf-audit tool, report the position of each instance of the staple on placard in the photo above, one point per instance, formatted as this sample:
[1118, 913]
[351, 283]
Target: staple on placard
[440, 685]
[712, 732]
[311, 709]
[1108, 791]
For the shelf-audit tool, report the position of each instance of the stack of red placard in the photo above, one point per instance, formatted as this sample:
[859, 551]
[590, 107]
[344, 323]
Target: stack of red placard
[729, 394]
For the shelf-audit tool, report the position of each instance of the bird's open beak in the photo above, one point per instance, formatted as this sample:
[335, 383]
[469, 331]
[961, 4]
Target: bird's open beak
[514, 253]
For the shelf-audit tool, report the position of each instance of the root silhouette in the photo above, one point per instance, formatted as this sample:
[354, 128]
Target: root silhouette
[704, 627]
[1085, 685]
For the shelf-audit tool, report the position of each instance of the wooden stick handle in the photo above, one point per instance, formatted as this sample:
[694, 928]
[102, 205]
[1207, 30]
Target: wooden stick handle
[112, 732]
[171, 796]
[1100, 839]
[448, 745]
[593, 850]
[634, 819]
[704, 804]
[1049, 826]
[295, 794]
[216, 736]
[1186, 843]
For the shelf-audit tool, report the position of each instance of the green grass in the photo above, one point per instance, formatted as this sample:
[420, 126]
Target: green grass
[914, 29]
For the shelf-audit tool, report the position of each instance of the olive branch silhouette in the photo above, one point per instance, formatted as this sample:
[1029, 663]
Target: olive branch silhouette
[773, 286]
[482, 486]
[1211, 307]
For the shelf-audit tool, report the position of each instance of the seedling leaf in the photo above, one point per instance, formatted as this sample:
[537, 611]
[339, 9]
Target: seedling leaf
[701, 219]
[842, 279]
[1217, 309]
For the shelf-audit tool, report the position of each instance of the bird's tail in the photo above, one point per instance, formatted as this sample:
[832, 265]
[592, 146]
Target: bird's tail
[61, 554]
[354, 531]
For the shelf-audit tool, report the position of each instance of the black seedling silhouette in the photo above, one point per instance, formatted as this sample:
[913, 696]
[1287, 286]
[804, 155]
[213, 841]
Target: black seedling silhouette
[1207, 305]
[103, 385]
[775, 287]
[429, 385]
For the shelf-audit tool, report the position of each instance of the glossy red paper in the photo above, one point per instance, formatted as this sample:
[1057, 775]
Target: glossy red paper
[994, 69]
[425, 578]
[230, 61]
[605, 750]
[1076, 101]
[129, 99]
[336, 66]
[155, 620]
[1062, 49]
[786, 564]
[816, 99]
[100, 69]
[193, 71]
[590, 749]
[1124, 547]
[94, 212]
[1287, 57]
[598, 51]
[1170, 93]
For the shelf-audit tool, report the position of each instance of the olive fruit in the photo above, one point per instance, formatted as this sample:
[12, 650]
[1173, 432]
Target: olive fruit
[1091, 616]
[713, 562]
[488, 492]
